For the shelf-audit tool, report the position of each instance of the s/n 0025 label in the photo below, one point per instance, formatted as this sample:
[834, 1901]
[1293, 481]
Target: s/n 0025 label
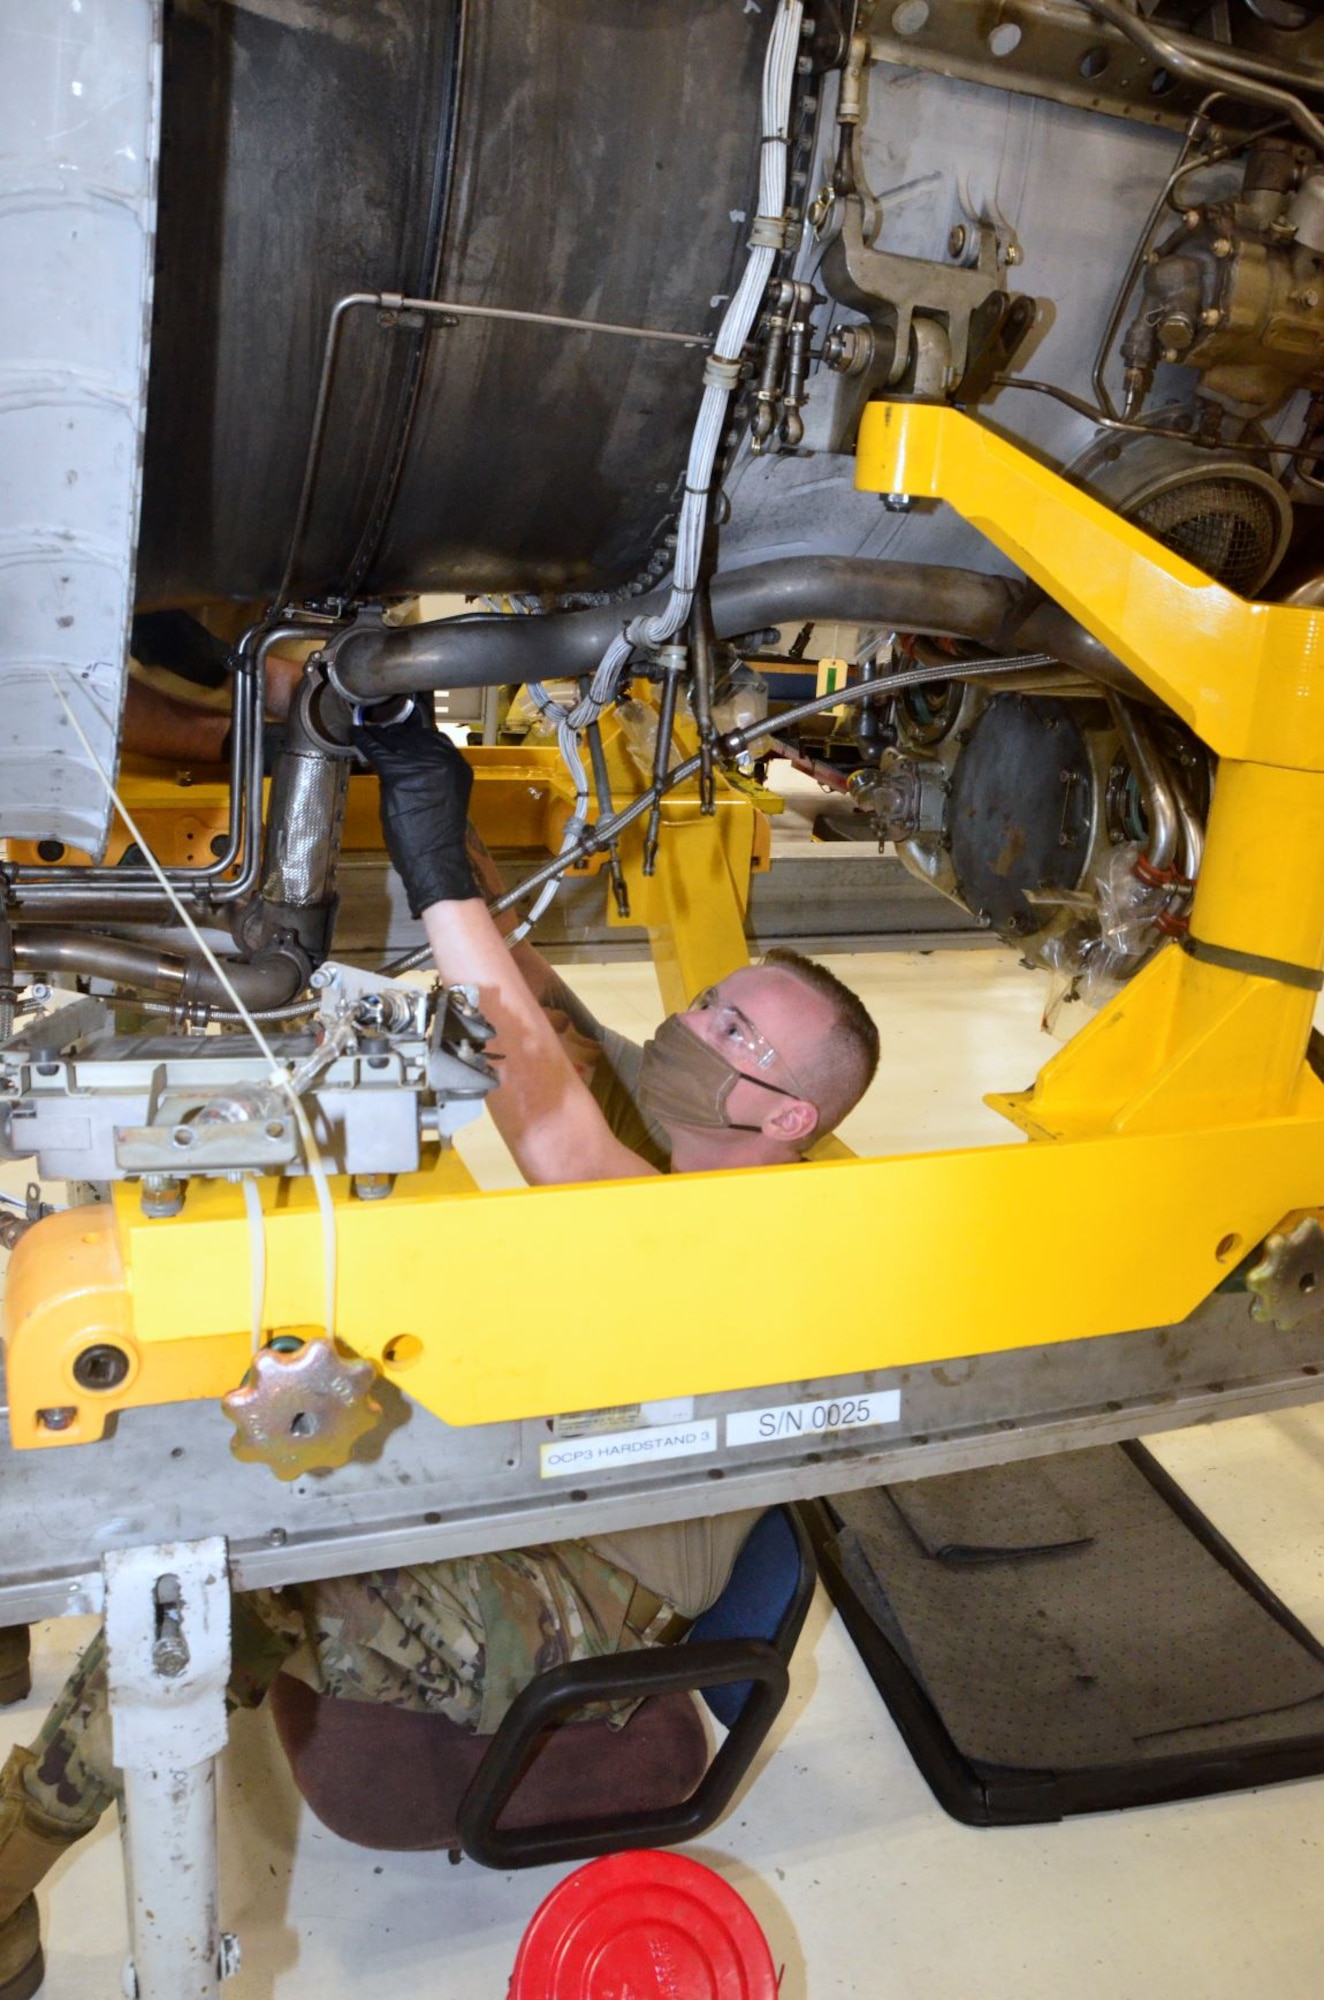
[830, 1413]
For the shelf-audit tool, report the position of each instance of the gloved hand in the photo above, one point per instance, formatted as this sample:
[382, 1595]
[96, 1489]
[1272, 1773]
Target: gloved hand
[425, 807]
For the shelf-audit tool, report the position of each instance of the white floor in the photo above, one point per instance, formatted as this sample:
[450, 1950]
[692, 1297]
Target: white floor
[861, 1882]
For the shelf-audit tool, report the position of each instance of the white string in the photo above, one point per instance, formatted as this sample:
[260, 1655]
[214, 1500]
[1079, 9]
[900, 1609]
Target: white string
[278, 1075]
[257, 1255]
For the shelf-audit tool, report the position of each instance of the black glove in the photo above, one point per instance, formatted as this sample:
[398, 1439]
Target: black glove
[425, 808]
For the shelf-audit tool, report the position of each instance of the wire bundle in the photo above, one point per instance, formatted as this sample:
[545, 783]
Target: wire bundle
[721, 374]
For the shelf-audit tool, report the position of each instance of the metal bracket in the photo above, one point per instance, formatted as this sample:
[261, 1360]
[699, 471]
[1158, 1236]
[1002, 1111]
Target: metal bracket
[929, 323]
[168, 1655]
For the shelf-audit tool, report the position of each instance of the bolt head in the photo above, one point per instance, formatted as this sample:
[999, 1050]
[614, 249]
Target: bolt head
[170, 1656]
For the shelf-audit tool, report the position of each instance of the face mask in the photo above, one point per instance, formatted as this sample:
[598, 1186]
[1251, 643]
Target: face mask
[683, 1081]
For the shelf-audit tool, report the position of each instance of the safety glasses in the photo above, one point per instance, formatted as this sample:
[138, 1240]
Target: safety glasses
[735, 1030]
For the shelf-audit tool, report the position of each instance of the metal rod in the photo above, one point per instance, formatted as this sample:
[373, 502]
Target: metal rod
[602, 786]
[437, 309]
[1183, 58]
[702, 647]
[666, 723]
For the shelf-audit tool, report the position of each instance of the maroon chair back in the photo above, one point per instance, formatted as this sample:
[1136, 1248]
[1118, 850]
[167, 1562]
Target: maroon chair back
[389, 1778]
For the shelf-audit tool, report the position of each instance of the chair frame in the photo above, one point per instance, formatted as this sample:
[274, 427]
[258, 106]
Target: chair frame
[685, 1668]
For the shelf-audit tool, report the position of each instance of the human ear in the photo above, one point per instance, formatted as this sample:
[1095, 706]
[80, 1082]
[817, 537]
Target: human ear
[796, 1119]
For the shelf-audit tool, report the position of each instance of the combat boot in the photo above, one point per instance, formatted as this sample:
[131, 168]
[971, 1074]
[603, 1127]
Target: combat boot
[31, 1843]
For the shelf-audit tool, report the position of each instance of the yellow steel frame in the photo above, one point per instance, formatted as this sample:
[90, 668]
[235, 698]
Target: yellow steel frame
[1164, 1141]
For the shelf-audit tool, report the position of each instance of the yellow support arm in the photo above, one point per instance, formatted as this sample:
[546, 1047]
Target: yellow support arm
[1245, 677]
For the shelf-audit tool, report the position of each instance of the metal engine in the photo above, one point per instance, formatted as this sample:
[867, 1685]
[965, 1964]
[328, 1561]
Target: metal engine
[305, 331]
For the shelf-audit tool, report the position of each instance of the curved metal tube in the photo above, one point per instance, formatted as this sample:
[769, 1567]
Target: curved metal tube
[1160, 804]
[1183, 60]
[270, 982]
[1192, 837]
[956, 603]
[69, 889]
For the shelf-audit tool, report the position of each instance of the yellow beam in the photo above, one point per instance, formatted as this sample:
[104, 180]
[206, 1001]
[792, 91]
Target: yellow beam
[1244, 676]
[694, 1283]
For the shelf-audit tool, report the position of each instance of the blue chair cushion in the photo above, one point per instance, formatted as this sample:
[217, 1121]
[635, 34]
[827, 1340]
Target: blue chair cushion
[757, 1597]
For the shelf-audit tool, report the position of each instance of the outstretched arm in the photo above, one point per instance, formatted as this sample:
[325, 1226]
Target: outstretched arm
[542, 1109]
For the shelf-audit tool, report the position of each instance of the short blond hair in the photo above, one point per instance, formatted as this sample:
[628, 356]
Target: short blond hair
[840, 1070]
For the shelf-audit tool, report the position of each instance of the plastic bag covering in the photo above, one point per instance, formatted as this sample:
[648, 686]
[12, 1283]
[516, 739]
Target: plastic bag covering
[1090, 957]
[526, 718]
[639, 727]
[740, 699]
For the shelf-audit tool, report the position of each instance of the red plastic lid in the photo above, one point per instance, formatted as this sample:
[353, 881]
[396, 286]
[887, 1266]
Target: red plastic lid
[644, 1927]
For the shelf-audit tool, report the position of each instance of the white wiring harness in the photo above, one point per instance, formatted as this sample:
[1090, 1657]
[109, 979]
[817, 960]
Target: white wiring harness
[720, 376]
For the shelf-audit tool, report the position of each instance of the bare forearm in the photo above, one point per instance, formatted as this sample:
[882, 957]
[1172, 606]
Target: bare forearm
[538, 974]
[542, 1109]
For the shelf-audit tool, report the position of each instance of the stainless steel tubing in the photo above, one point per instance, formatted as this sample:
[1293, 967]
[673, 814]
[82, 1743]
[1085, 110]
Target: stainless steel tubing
[483, 652]
[268, 983]
[1193, 60]
[69, 890]
[83, 953]
[1160, 802]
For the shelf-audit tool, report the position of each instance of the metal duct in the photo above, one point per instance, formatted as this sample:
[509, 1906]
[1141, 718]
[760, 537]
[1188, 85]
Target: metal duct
[267, 982]
[371, 662]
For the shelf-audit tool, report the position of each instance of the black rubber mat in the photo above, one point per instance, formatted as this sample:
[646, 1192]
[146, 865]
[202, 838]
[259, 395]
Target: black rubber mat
[1070, 1634]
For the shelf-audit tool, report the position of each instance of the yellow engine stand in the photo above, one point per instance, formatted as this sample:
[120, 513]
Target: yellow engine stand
[1166, 1140]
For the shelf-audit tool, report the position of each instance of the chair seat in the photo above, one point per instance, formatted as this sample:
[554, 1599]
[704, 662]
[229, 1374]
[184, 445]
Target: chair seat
[389, 1778]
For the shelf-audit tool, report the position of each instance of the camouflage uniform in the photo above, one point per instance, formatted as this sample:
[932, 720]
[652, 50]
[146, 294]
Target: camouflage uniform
[458, 1638]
